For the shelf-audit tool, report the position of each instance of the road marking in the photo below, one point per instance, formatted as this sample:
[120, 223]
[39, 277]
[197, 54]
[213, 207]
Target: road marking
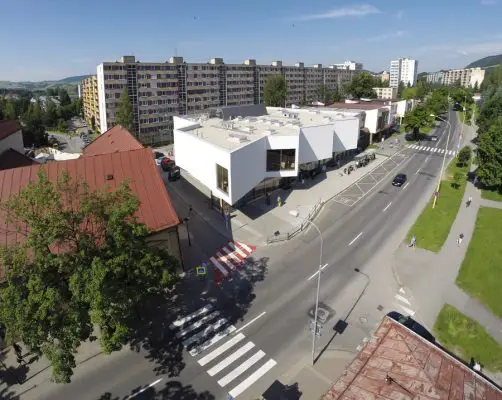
[215, 339]
[197, 324]
[219, 266]
[252, 378]
[407, 183]
[401, 290]
[218, 324]
[232, 255]
[411, 313]
[237, 249]
[418, 171]
[220, 350]
[403, 299]
[198, 313]
[253, 320]
[145, 388]
[224, 259]
[241, 368]
[315, 273]
[353, 240]
[230, 359]
[246, 247]
[435, 149]
[386, 207]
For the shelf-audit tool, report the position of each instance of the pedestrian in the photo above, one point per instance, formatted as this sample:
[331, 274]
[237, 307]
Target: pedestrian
[17, 349]
[469, 201]
[279, 201]
[460, 238]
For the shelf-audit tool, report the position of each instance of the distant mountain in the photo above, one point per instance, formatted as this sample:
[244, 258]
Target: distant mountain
[42, 85]
[489, 61]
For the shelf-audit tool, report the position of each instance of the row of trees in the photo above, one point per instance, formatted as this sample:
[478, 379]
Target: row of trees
[489, 122]
[39, 116]
[84, 264]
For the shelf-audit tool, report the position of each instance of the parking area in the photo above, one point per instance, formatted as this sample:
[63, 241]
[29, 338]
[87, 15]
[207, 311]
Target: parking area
[363, 186]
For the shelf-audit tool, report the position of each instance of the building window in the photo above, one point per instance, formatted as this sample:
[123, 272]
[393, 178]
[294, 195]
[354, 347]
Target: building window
[281, 160]
[222, 178]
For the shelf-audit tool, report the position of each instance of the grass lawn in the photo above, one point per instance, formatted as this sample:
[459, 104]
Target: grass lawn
[481, 271]
[491, 195]
[466, 338]
[433, 224]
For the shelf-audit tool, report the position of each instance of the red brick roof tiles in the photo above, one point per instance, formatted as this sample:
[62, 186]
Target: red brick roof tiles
[113, 140]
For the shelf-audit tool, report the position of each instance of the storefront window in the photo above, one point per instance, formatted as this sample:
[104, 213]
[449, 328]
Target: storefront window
[281, 160]
[222, 178]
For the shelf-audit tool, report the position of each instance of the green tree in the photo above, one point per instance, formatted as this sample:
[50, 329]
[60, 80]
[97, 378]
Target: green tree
[417, 118]
[464, 155]
[335, 96]
[62, 125]
[9, 111]
[324, 94]
[34, 129]
[489, 156]
[124, 111]
[437, 102]
[493, 78]
[409, 93]
[400, 89]
[362, 86]
[490, 110]
[51, 92]
[457, 179]
[77, 107]
[50, 113]
[93, 123]
[102, 270]
[64, 97]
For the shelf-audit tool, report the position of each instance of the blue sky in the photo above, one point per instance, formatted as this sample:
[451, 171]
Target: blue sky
[53, 39]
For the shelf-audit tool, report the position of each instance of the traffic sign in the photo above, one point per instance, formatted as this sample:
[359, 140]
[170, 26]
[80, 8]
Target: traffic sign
[201, 270]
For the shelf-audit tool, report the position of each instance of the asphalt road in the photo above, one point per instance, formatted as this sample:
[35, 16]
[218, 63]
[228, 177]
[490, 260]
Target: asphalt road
[273, 310]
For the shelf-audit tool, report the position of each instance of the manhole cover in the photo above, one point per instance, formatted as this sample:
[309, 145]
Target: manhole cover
[380, 308]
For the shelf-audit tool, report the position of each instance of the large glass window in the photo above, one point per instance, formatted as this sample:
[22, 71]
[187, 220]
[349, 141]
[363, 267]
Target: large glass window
[281, 160]
[222, 178]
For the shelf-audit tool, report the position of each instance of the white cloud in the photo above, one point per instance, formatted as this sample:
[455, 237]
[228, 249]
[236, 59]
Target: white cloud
[354, 11]
[400, 14]
[488, 2]
[387, 36]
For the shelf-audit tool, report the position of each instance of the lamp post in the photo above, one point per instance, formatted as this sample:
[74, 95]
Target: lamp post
[296, 214]
[185, 220]
[444, 159]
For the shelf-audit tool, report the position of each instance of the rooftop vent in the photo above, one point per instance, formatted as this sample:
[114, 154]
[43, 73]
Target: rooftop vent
[249, 129]
[109, 177]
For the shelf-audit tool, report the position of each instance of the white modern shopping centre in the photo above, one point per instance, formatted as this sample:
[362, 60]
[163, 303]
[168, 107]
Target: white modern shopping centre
[231, 156]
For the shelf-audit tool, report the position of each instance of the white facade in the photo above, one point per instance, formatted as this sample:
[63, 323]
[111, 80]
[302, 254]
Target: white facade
[230, 158]
[403, 70]
[350, 65]
[386, 93]
[467, 77]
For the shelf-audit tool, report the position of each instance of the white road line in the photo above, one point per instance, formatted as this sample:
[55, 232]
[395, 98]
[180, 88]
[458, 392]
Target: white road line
[232, 255]
[401, 290]
[387, 206]
[219, 266]
[253, 320]
[422, 148]
[199, 335]
[436, 149]
[215, 339]
[353, 240]
[441, 151]
[235, 248]
[220, 350]
[241, 368]
[236, 391]
[198, 313]
[145, 388]
[246, 247]
[230, 359]
[411, 313]
[405, 186]
[315, 273]
[224, 259]
[418, 171]
[402, 299]
[197, 324]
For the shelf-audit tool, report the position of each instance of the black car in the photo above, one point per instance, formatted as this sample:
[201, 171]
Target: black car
[399, 180]
[158, 154]
[413, 325]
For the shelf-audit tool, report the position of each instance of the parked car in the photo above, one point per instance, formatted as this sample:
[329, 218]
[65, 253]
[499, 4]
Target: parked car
[413, 325]
[399, 180]
[171, 168]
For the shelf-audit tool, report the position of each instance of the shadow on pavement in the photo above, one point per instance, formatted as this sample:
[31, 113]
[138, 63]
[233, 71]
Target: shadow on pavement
[172, 391]
[279, 391]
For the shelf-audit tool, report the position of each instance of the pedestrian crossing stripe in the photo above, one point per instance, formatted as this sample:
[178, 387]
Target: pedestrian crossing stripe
[403, 303]
[229, 257]
[236, 362]
[431, 149]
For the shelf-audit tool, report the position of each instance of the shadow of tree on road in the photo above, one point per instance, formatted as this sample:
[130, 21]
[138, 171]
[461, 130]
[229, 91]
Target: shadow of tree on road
[172, 391]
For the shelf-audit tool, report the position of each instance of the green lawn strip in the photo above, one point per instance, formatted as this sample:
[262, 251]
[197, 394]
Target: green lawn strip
[481, 271]
[433, 225]
[467, 338]
[491, 195]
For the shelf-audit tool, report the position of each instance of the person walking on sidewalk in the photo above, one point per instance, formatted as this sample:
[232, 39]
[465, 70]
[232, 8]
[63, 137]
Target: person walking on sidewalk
[459, 239]
[469, 201]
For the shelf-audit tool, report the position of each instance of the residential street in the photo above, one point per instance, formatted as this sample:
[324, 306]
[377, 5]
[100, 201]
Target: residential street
[270, 300]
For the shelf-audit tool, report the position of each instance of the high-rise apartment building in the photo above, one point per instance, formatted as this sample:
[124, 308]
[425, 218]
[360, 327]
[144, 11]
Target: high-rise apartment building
[467, 77]
[159, 91]
[350, 65]
[403, 70]
[88, 91]
[435, 78]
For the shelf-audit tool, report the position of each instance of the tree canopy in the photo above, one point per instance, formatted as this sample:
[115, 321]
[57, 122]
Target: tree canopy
[362, 86]
[417, 118]
[274, 91]
[327, 96]
[84, 264]
[124, 111]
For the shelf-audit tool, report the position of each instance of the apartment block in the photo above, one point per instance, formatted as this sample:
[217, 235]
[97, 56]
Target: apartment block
[467, 77]
[88, 91]
[403, 70]
[386, 93]
[435, 78]
[159, 91]
[350, 65]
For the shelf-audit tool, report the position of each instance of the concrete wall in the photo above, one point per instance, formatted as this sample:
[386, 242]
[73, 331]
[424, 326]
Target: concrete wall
[101, 99]
[169, 241]
[14, 141]
[346, 135]
[372, 120]
[315, 143]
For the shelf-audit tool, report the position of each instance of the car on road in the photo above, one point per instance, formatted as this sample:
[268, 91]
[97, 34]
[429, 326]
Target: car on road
[413, 325]
[430, 138]
[399, 180]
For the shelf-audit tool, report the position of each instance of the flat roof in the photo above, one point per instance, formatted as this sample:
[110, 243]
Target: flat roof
[241, 131]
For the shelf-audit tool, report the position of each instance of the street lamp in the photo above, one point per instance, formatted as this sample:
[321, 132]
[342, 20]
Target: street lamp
[185, 220]
[296, 214]
[444, 159]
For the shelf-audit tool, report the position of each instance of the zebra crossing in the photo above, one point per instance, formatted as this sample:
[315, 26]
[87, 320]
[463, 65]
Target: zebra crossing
[433, 150]
[402, 303]
[229, 257]
[236, 363]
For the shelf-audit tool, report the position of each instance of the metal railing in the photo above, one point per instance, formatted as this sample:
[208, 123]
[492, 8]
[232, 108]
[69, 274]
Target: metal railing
[300, 228]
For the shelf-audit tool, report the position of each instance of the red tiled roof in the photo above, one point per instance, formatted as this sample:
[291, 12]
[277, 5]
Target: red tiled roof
[155, 211]
[419, 369]
[357, 106]
[13, 159]
[8, 127]
[113, 140]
